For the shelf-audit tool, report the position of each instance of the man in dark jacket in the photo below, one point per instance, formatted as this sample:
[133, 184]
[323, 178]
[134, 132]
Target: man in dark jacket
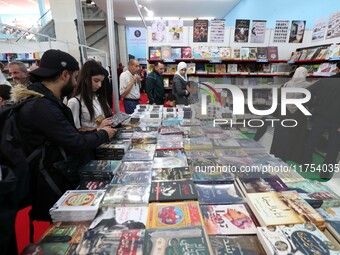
[46, 122]
[155, 85]
[325, 116]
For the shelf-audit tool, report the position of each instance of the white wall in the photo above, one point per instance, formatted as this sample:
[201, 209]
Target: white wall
[64, 13]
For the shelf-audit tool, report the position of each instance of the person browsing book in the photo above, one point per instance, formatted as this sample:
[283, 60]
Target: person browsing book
[45, 122]
[296, 135]
[155, 85]
[129, 82]
[89, 105]
[180, 87]
[325, 104]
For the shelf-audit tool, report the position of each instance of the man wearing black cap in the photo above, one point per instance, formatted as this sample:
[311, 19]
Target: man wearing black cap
[46, 121]
[325, 116]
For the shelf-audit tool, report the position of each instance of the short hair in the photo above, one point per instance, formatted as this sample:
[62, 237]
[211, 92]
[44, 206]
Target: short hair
[338, 64]
[5, 91]
[132, 62]
[157, 63]
[170, 97]
[22, 66]
[2, 66]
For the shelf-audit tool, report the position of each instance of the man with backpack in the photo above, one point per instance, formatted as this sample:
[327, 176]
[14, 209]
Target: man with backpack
[45, 128]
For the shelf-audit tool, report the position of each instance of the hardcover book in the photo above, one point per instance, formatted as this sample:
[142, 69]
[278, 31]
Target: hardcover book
[295, 239]
[138, 155]
[171, 174]
[262, 53]
[205, 175]
[273, 53]
[174, 215]
[131, 242]
[191, 68]
[270, 209]
[162, 191]
[302, 208]
[94, 185]
[132, 178]
[127, 194]
[236, 245]
[46, 248]
[218, 194]
[166, 51]
[163, 162]
[189, 240]
[264, 184]
[221, 68]
[115, 218]
[316, 194]
[227, 220]
[176, 53]
[135, 166]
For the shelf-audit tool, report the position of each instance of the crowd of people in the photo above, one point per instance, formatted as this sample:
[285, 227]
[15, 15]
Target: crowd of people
[69, 115]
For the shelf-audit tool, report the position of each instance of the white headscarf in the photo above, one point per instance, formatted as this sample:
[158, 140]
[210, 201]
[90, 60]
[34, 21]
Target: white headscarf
[180, 66]
[298, 81]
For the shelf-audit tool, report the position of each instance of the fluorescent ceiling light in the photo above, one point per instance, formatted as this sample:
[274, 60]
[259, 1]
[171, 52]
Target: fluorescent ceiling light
[167, 18]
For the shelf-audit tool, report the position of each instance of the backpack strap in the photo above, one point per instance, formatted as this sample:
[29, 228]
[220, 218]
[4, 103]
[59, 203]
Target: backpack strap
[43, 171]
[79, 109]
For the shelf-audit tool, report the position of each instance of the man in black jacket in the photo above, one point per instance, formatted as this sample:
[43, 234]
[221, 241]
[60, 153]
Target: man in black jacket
[46, 122]
[155, 85]
[325, 101]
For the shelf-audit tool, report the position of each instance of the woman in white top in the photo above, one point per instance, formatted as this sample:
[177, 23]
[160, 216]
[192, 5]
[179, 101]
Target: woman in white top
[89, 106]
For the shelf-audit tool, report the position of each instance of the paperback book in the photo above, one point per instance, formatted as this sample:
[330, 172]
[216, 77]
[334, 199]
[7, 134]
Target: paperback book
[218, 194]
[126, 194]
[171, 174]
[227, 220]
[163, 191]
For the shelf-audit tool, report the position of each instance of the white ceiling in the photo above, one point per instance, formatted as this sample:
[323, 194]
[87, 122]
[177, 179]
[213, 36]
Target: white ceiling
[169, 8]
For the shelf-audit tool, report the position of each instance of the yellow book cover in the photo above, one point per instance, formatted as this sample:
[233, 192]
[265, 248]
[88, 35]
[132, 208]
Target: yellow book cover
[270, 210]
[174, 215]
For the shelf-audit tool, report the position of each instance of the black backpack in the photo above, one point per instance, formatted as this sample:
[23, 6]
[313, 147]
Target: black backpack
[15, 181]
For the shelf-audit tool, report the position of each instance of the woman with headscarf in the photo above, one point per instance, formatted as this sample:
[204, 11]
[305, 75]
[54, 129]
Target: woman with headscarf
[180, 87]
[296, 135]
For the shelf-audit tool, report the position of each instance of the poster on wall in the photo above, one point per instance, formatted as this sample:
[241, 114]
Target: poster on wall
[137, 35]
[281, 31]
[241, 30]
[175, 31]
[297, 30]
[258, 31]
[200, 30]
[217, 30]
[319, 29]
[158, 31]
[333, 29]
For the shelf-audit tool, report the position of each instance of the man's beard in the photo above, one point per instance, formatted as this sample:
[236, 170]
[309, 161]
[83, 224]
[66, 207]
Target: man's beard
[67, 89]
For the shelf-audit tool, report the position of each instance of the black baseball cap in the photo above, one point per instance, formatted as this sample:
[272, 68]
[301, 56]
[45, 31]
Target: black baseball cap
[53, 62]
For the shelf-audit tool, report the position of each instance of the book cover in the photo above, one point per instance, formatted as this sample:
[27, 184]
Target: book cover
[191, 68]
[155, 53]
[218, 194]
[171, 174]
[135, 166]
[227, 220]
[116, 218]
[209, 68]
[132, 178]
[129, 194]
[166, 82]
[176, 52]
[273, 53]
[252, 53]
[301, 207]
[171, 68]
[330, 214]
[241, 30]
[162, 191]
[316, 194]
[200, 68]
[209, 174]
[245, 53]
[138, 155]
[232, 68]
[94, 185]
[166, 51]
[270, 209]
[224, 143]
[261, 184]
[200, 31]
[174, 215]
[189, 240]
[193, 154]
[46, 249]
[186, 52]
[163, 162]
[262, 53]
[221, 68]
[236, 245]
[101, 166]
[295, 239]
[236, 53]
[131, 242]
